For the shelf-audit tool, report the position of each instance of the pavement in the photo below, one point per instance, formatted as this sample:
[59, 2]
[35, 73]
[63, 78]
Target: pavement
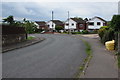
[58, 56]
[22, 44]
[103, 63]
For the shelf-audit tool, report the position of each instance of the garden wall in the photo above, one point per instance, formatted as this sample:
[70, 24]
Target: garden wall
[12, 34]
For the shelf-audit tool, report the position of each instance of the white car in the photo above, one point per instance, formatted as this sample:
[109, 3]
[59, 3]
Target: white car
[42, 32]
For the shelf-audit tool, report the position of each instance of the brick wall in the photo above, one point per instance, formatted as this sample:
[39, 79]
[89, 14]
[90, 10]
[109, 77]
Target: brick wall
[12, 39]
[12, 34]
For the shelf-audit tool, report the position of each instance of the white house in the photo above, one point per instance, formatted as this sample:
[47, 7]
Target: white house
[53, 23]
[95, 23]
[75, 24]
[36, 25]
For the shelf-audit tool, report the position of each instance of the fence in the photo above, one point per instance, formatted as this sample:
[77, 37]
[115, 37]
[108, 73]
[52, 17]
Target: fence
[12, 34]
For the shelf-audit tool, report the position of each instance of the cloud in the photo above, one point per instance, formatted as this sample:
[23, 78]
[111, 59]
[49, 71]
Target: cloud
[60, 0]
[42, 10]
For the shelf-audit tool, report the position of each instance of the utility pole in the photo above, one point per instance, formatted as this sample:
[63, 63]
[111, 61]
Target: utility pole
[68, 23]
[52, 22]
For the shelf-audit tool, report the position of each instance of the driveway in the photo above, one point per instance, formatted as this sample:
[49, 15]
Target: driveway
[59, 56]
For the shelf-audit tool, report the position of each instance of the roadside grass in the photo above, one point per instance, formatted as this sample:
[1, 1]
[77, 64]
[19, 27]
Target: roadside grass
[118, 59]
[86, 60]
[30, 37]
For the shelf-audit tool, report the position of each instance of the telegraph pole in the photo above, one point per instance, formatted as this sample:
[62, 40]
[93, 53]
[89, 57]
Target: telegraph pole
[68, 23]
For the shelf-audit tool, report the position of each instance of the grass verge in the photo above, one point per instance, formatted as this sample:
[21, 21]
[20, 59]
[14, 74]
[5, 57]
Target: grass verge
[86, 60]
[118, 59]
[30, 37]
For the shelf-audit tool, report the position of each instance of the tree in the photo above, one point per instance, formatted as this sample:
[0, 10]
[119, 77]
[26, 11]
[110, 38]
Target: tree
[115, 24]
[86, 19]
[30, 27]
[58, 28]
[9, 20]
[78, 18]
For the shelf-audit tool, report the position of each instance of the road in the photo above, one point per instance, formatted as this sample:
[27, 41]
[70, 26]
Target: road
[59, 56]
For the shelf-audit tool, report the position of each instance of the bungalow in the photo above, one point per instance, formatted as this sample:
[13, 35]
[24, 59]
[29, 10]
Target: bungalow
[75, 24]
[53, 23]
[95, 23]
[41, 25]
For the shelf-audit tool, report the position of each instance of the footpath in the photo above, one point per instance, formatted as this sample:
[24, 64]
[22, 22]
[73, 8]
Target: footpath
[103, 63]
[22, 44]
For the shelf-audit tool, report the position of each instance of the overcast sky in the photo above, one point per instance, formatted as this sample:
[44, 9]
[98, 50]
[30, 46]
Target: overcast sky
[41, 11]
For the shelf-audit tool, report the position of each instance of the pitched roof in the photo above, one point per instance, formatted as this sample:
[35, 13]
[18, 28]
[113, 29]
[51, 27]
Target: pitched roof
[98, 18]
[57, 22]
[78, 20]
[41, 23]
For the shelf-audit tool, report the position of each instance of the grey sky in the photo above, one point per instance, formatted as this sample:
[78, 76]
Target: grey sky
[41, 11]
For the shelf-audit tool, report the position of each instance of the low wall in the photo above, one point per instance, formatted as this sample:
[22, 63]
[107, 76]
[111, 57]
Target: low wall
[12, 34]
[12, 39]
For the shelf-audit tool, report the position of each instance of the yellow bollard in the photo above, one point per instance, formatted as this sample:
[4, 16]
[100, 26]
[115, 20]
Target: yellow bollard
[110, 45]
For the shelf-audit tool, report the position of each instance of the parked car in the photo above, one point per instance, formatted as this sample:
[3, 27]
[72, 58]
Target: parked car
[42, 32]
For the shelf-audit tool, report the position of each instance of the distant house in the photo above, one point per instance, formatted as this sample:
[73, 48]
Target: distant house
[75, 24]
[95, 23]
[53, 23]
[41, 25]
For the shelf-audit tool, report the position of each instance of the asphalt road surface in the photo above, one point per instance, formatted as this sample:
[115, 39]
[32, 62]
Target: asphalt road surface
[59, 56]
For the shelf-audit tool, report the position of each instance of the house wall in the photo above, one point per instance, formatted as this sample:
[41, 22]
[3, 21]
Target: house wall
[81, 28]
[70, 24]
[95, 26]
[37, 25]
[50, 25]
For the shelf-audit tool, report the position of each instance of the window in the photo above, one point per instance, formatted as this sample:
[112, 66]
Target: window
[81, 25]
[98, 23]
[72, 24]
[91, 23]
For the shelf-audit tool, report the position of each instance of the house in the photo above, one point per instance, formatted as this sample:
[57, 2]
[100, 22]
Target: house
[95, 23]
[53, 23]
[41, 25]
[75, 24]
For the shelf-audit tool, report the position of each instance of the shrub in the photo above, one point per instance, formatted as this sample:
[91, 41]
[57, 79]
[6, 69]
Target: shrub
[76, 32]
[116, 40]
[58, 28]
[73, 32]
[94, 32]
[108, 35]
[101, 32]
[85, 32]
[39, 30]
[105, 27]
